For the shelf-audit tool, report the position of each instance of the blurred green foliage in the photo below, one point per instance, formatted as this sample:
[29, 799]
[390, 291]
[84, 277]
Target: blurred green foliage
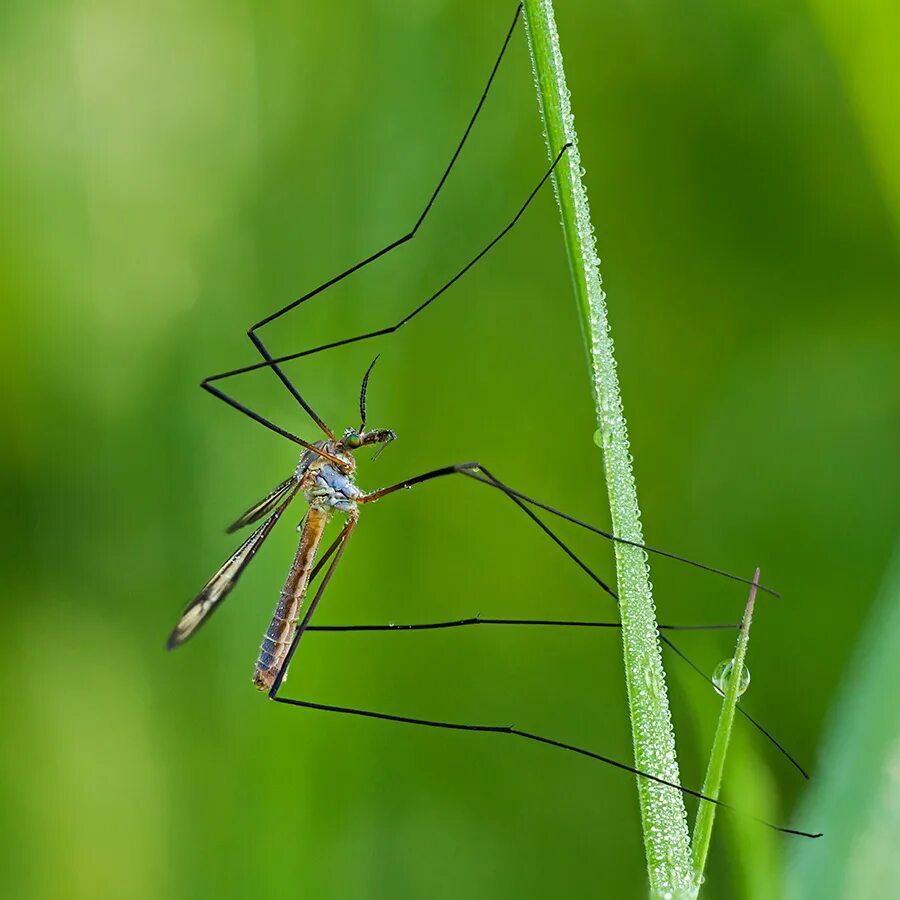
[172, 173]
[857, 799]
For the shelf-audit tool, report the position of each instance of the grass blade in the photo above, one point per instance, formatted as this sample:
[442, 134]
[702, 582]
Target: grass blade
[706, 813]
[856, 795]
[664, 821]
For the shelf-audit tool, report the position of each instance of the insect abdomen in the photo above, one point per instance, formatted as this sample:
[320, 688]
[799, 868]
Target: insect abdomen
[277, 642]
[274, 648]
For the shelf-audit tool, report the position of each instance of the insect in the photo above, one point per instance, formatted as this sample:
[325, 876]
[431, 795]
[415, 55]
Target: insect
[325, 476]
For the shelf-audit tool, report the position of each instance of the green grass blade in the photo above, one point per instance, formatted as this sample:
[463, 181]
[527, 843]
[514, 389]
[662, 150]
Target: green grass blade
[855, 797]
[666, 838]
[706, 813]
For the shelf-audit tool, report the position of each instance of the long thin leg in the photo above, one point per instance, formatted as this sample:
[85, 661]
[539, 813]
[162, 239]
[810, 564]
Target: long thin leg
[276, 361]
[493, 481]
[240, 407]
[754, 722]
[337, 551]
[480, 620]
[515, 497]
[252, 333]
[417, 479]
[527, 735]
[467, 469]
[494, 729]
[559, 543]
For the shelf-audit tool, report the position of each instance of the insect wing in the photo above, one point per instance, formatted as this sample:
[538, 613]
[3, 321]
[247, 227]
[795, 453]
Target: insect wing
[264, 506]
[216, 589]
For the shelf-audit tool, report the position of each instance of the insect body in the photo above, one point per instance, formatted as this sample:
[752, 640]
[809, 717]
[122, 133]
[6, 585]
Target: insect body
[325, 476]
[328, 488]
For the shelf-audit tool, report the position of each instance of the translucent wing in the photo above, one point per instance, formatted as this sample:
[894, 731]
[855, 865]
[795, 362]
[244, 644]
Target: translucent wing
[216, 589]
[264, 506]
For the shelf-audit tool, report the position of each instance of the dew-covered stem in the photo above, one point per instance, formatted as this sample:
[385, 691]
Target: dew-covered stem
[731, 686]
[663, 815]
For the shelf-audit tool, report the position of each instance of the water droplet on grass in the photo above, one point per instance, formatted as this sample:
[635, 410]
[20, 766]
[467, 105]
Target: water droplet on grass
[723, 674]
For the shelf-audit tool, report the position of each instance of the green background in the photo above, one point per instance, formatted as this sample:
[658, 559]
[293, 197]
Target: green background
[171, 173]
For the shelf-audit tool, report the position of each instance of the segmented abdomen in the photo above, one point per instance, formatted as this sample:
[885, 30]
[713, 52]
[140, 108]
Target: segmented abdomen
[280, 633]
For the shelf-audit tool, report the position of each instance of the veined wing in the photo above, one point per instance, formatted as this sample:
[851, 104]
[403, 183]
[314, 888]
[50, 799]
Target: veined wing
[216, 589]
[265, 506]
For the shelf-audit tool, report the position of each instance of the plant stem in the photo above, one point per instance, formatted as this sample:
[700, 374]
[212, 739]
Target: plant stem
[662, 809]
[706, 814]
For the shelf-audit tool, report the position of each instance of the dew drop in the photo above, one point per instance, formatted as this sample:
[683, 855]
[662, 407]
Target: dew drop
[722, 677]
[652, 683]
[598, 438]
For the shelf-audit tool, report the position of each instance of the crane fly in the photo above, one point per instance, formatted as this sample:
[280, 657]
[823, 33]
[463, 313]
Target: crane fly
[325, 476]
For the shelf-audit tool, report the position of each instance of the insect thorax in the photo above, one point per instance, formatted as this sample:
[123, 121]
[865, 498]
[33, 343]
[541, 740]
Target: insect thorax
[325, 486]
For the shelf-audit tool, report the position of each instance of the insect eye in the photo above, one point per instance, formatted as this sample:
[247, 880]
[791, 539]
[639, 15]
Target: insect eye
[352, 439]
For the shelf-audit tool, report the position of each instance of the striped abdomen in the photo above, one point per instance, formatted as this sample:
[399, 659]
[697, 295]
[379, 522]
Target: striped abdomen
[281, 630]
